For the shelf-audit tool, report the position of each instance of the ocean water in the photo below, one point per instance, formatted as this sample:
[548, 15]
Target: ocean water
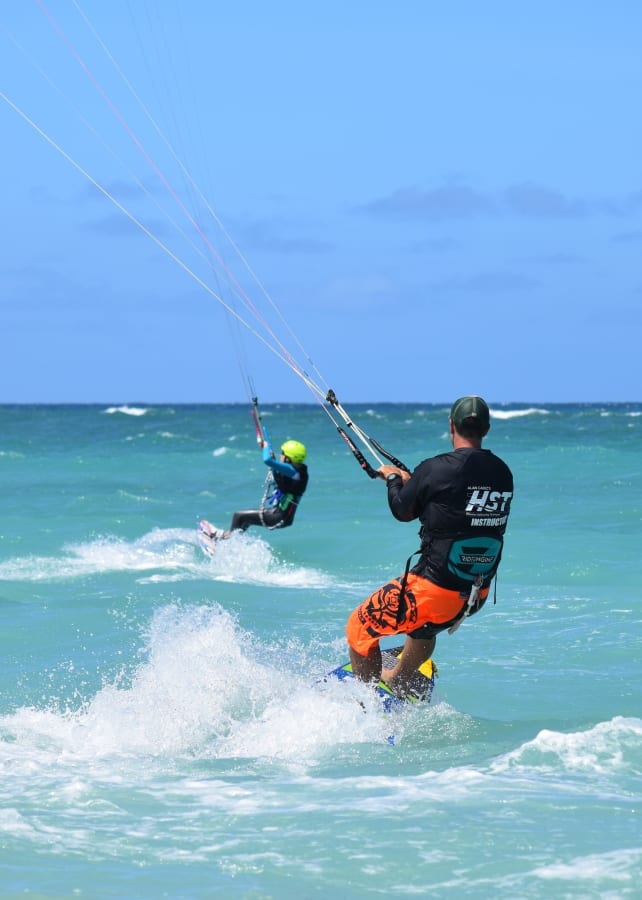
[163, 731]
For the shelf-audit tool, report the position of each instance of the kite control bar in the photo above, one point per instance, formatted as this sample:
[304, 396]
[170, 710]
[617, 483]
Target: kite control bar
[369, 442]
[358, 455]
[393, 459]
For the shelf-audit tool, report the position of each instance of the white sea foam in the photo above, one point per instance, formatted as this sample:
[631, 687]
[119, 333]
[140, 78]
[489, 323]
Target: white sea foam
[617, 865]
[605, 748]
[518, 413]
[127, 410]
[233, 699]
[170, 554]
[239, 698]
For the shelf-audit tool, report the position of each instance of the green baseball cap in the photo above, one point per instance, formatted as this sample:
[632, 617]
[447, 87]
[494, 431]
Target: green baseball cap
[470, 408]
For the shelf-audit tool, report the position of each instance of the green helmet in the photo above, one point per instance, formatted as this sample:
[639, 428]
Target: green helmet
[294, 450]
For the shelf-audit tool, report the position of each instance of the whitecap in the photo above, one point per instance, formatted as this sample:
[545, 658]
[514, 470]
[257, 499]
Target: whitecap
[127, 410]
[518, 413]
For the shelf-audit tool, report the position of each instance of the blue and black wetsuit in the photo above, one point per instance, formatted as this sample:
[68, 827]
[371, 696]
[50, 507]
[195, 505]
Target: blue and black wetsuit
[288, 483]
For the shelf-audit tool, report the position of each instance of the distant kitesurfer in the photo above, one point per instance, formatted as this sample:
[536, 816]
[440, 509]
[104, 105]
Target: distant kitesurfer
[462, 499]
[286, 484]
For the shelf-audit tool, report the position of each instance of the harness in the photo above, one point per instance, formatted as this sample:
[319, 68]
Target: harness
[474, 557]
[286, 502]
[471, 602]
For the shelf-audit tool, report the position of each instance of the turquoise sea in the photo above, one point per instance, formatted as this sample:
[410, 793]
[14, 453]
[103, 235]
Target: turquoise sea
[162, 731]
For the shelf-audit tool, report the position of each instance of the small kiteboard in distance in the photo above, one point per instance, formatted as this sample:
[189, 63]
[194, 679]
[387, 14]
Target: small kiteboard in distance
[421, 685]
[208, 537]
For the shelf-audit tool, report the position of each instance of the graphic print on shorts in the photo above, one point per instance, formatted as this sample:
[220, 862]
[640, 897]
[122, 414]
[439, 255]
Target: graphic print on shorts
[384, 613]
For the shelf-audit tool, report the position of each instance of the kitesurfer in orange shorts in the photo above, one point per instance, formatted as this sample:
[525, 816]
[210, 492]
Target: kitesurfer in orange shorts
[462, 499]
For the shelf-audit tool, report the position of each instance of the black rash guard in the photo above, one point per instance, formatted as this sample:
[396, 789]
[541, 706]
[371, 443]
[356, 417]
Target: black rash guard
[462, 499]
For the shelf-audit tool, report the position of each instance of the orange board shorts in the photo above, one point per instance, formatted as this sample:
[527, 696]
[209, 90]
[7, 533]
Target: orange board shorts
[422, 604]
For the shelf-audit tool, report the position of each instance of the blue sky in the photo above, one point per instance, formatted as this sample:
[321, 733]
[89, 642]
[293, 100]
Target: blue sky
[423, 200]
